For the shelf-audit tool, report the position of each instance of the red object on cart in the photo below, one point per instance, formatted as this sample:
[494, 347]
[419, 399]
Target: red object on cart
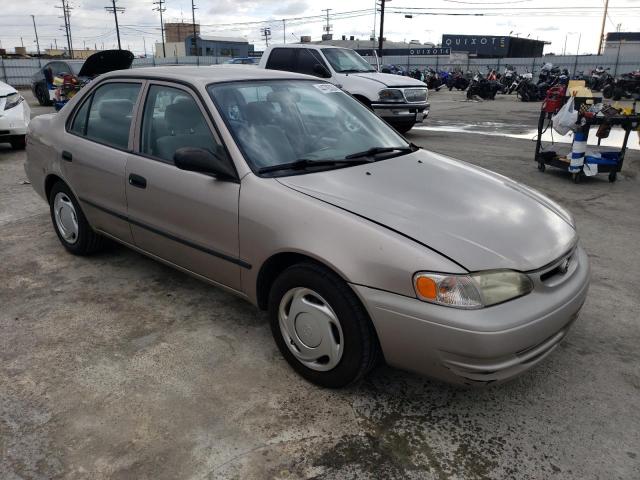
[554, 99]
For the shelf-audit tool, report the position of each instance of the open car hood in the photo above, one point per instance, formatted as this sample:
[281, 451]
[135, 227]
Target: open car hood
[106, 61]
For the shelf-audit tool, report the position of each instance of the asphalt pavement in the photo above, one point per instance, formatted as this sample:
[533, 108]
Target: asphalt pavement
[118, 367]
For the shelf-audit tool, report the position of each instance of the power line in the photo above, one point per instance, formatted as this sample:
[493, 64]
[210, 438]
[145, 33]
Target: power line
[161, 9]
[36, 32]
[115, 10]
[66, 12]
[193, 17]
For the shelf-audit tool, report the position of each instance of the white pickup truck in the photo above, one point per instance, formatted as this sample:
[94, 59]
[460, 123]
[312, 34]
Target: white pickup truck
[401, 101]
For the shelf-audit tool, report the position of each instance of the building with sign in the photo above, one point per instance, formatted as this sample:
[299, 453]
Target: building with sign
[493, 46]
[622, 43]
[218, 46]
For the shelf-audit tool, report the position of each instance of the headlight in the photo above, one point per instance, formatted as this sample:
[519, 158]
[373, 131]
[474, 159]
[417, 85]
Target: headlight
[391, 95]
[12, 100]
[475, 290]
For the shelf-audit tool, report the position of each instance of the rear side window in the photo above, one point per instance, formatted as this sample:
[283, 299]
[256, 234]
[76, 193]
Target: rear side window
[110, 114]
[79, 125]
[281, 59]
[173, 120]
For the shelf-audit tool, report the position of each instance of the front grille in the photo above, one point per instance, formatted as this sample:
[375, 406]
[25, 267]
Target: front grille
[415, 94]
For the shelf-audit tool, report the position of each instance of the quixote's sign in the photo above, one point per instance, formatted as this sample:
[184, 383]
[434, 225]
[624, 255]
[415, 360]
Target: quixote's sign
[418, 51]
[478, 44]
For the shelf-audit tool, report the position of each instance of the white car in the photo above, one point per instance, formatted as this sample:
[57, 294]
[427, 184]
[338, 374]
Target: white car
[400, 101]
[14, 117]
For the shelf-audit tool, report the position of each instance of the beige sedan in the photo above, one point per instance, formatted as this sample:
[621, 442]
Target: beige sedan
[288, 192]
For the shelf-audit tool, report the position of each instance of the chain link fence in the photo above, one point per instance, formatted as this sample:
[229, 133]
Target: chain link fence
[575, 64]
[18, 72]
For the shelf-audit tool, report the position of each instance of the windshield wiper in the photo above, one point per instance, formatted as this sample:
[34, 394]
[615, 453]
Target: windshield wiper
[376, 150]
[356, 70]
[303, 163]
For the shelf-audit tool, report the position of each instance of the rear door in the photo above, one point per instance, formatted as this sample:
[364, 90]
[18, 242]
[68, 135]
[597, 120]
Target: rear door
[187, 218]
[96, 150]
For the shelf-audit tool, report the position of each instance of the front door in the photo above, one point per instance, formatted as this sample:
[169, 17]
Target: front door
[189, 219]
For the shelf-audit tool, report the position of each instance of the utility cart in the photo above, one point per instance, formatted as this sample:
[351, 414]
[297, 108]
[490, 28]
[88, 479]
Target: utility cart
[580, 162]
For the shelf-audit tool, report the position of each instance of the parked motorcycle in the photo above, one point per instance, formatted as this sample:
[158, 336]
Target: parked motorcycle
[527, 91]
[457, 80]
[482, 87]
[627, 85]
[510, 75]
[432, 79]
[599, 78]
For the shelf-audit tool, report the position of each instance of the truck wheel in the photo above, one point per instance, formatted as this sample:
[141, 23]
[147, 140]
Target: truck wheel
[403, 127]
[18, 142]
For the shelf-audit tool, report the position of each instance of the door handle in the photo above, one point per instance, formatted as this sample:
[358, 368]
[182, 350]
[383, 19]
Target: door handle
[67, 156]
[137, 181]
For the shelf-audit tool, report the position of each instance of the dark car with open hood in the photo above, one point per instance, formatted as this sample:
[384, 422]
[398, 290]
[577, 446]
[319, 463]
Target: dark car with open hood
[58, 80]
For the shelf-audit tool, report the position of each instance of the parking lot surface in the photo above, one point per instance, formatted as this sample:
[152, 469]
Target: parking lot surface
[118, 367]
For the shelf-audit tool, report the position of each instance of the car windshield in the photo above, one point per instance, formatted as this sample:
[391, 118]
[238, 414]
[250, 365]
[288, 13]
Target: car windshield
[346, 61]
[279, 122]
[76, 66]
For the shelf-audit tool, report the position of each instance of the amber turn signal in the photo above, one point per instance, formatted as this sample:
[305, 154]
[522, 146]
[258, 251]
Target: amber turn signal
[426, 288]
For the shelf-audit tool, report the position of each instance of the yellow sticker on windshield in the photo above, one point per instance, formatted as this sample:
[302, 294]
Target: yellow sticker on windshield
[327, 87]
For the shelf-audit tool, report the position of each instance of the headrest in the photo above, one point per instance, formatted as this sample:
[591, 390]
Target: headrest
[182, 115]
[259, 113]
[283, 96]
[115, 110]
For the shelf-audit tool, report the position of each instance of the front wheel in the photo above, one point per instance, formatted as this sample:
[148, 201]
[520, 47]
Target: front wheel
[70, 224]
[403, 127]
[320, 327]
[19, 142]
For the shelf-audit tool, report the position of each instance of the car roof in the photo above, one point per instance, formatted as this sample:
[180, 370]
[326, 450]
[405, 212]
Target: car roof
[309, 45]
[207, 74]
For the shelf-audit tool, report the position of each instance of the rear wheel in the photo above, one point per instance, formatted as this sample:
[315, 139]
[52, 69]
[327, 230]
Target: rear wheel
[320, 326]
[70, 224]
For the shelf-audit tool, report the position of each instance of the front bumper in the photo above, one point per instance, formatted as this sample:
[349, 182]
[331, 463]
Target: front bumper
[14, 122]
[402, 112]
[475, 347]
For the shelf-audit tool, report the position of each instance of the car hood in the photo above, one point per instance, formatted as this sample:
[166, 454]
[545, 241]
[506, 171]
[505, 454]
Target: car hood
[390, 80]
[477, 218]
[106, 61]
[6, 89]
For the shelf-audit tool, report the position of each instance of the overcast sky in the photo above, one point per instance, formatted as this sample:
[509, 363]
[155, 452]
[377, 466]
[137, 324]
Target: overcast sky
[91, 25]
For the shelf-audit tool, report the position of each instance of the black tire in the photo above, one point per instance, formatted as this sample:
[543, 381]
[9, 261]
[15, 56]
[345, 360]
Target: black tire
[18, 142]
[87, 241]
[607, 91]
[360, 348]
[43, 96]
[618, 94]
[403, 127]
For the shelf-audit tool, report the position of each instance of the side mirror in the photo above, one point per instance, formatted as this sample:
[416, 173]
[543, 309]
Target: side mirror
[321, 71]
[203, 161]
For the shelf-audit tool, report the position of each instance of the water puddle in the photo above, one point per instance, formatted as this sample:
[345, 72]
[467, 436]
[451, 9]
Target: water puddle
[498, 129]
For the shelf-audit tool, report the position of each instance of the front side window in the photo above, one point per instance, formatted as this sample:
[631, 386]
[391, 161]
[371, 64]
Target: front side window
[308, 60]
[111, 112]
[278, 122]
[346, 61]
[173, 120]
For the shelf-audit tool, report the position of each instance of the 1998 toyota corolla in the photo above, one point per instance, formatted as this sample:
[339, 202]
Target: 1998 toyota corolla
[290, 193]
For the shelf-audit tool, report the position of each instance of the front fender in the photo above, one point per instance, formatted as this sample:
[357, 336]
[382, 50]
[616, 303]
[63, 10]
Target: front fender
[275, 218]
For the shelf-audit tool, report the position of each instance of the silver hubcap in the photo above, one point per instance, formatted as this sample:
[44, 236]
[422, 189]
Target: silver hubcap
[311, 329]
[66, 218]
